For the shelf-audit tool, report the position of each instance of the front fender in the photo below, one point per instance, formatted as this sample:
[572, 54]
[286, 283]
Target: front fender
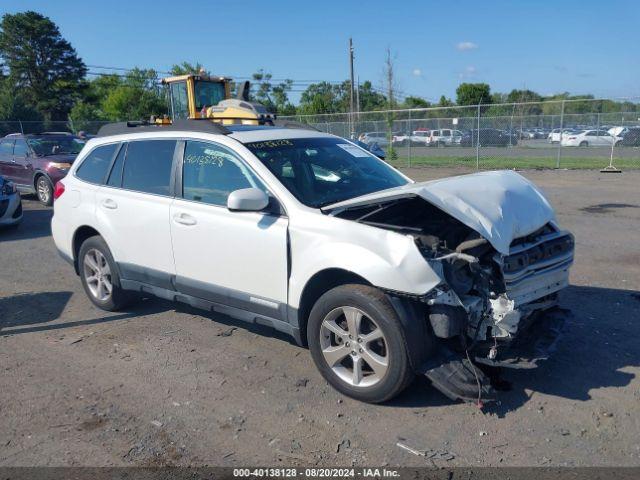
[385, 259]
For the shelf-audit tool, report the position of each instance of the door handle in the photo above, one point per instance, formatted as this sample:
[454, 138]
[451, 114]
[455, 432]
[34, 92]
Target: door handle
[184, 219]
[110, 204]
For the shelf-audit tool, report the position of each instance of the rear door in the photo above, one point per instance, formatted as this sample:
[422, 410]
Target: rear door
[232, 258]
[132, 209]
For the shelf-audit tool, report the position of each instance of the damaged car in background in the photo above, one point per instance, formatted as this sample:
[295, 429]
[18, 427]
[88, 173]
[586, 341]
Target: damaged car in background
[382, 278]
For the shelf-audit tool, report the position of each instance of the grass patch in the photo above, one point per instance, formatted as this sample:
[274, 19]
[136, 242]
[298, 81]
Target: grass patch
[518, 162]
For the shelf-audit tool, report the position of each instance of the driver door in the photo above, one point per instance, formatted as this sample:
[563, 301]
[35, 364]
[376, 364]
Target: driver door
[231, 258]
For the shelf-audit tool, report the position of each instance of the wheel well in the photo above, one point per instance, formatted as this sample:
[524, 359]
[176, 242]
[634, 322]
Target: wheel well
[36, 177]
[317, 286]
[79, 237]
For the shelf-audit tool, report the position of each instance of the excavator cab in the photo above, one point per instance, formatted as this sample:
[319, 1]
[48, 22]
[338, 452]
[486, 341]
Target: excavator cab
[201, 96]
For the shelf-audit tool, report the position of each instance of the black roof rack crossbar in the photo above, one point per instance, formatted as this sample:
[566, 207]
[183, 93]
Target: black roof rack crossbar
[293, 124]
[189, 125]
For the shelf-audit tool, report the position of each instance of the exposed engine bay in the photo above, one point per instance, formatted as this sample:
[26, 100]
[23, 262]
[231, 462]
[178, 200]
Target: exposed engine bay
[486, 297]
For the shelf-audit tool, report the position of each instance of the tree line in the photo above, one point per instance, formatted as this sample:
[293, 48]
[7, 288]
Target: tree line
[43, 78]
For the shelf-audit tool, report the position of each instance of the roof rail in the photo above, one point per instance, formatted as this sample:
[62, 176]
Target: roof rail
[190, 125]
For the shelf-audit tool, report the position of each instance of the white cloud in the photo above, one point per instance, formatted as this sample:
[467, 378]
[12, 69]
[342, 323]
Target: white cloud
[463, 46]
[468, 72]
[417, 72]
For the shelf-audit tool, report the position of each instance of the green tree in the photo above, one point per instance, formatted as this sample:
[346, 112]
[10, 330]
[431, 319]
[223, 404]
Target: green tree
[322, 97]
[187, 68]
[274, 97]
[369, 98]
[137, 97]
[473, 94]
[42, 64]
[415, 102]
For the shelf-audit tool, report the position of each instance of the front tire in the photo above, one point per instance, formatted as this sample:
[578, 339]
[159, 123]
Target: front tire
[44, 190]
[99, 276]
[584, 144]
[355, 339]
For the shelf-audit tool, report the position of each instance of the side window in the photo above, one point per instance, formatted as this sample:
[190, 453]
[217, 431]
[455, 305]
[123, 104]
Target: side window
[20, 149]
[94, 167]
[6, 149]
[115, 177]
[179, 100]
[147, 167]
[211, 172]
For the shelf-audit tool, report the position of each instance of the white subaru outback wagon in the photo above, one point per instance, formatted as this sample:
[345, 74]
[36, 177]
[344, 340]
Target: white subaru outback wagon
[381, 277]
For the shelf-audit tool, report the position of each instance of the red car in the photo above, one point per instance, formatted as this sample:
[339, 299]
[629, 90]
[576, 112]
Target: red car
[35, 162]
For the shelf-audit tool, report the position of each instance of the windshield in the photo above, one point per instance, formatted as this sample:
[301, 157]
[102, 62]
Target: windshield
[322, 171]
[208, 93]
[45, 146]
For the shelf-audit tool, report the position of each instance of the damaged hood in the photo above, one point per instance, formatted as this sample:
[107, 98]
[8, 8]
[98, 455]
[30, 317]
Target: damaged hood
[501, 206]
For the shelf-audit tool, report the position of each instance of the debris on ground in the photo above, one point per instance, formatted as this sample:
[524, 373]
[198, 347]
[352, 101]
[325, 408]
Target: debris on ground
[343, 445]
[156, 423]
[226, 333]
[483, 434]
[428, 453]
[302, 382]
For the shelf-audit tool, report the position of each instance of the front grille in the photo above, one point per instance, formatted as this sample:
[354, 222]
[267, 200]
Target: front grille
[537, 266]
[540, 252]
[3, 206]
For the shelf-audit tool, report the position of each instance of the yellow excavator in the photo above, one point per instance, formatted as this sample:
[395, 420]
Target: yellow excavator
[203, 96]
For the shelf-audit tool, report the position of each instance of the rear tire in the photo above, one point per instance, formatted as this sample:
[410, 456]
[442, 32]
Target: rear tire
[372, 364]
[99, 276]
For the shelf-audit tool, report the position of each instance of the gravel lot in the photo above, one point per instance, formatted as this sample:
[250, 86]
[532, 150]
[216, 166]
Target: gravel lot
[163, 384]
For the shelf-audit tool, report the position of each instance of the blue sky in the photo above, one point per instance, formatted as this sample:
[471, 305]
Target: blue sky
[548, 46]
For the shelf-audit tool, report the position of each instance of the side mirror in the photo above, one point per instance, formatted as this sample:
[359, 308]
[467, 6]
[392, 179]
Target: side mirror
[247, 200]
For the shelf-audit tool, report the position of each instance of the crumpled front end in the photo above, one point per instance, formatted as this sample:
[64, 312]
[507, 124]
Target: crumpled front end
[501, 294]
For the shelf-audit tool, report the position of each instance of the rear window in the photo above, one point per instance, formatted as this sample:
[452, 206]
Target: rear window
[147, 167]
[95, 165]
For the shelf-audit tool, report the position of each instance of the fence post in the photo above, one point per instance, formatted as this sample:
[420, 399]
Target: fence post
[409, 141]
[21, 129]
[561, 128]
[478, 141]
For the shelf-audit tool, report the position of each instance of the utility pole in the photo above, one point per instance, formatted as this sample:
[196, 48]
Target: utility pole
[358, 97]
[351, 125]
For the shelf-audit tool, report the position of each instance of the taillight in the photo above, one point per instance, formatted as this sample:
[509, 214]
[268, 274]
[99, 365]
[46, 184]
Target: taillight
[58, 190]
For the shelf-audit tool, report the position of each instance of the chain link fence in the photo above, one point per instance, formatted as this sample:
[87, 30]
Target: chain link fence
[551, 134]
[582, 133]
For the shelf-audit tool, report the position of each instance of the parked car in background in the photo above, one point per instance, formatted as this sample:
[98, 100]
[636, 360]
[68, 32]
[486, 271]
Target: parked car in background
[488, 137]
[587, 138]
[417, 137]
[444, 137]
[631, 138]
[381, 138]
[35, 162]
[617, 131]
[10, 203]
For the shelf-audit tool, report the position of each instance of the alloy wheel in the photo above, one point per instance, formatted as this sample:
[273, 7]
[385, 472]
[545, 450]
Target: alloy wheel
[354, 347]
[97, 274]
[44, 190]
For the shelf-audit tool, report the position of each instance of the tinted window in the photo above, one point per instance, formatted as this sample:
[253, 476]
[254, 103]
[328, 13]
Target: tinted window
[94, 167]
[6, 147]
[147, 167]
[211, 172]
[20, 148]
[53, 145]
[115, 177]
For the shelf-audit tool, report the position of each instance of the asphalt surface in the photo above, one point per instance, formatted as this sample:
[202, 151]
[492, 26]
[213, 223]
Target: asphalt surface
[162, 384]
